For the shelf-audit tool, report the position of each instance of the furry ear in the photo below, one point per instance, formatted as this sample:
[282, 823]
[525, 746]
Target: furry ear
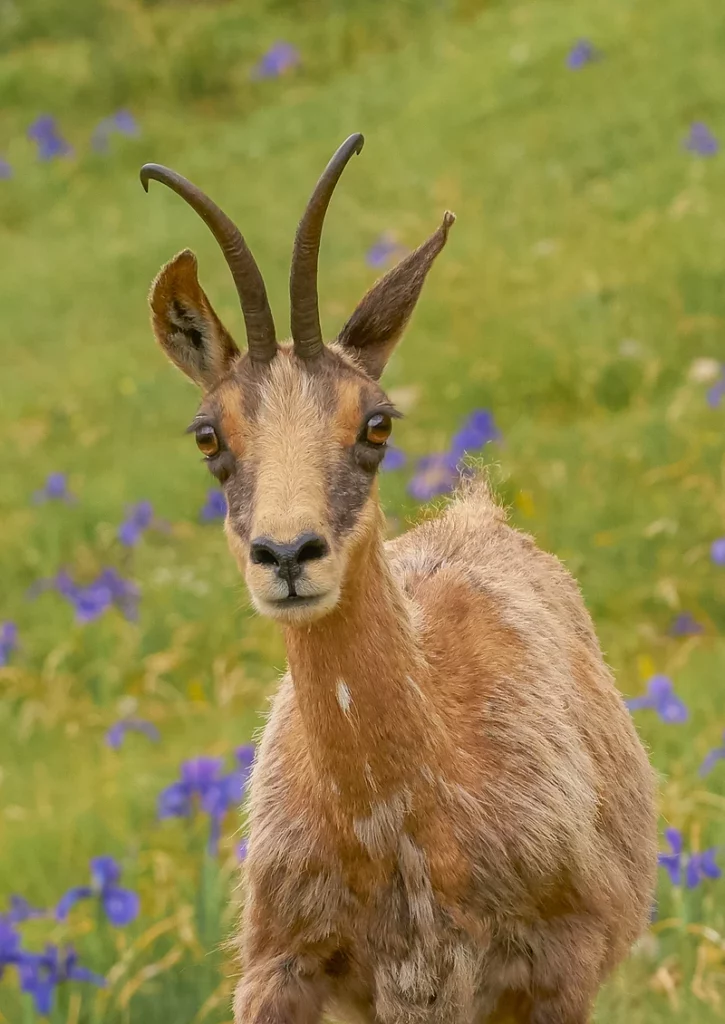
[185, 324]
[375, 327]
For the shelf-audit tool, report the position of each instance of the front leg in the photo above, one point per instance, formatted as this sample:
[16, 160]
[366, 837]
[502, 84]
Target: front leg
[282, 990]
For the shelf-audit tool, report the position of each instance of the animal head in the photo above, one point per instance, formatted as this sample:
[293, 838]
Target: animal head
[294, 432]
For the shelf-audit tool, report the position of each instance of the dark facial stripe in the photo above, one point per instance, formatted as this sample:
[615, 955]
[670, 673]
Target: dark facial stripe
[348, 488]
[239, 490]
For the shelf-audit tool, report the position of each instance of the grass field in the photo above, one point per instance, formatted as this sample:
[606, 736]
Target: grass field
[581, 299]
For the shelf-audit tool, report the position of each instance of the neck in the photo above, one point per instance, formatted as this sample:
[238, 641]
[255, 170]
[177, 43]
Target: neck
[361, 682]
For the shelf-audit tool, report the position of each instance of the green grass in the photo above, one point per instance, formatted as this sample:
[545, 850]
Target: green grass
[582, 279]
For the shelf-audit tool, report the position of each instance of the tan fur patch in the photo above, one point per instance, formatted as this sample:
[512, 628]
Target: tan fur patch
[293, 450]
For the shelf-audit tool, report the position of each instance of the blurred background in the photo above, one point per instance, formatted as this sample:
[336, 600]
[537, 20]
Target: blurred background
[570, 337]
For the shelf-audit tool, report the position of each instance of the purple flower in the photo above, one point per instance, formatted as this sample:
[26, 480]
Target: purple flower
[716, 392]
[581, 54]
[477, 430]
[124, 594]
[701, 866]
[244, 757]
[21, 910]
[685, 624]
[672, 862]
[222, 794]
[139, 518]
[44, 132]
[700, 140]
[434, 475]
[200, 772]
[93, 599]
[174, 801]
[6, 171]
[197, 775]
[393, 458]
[718, 754]
[242, 848]
[122, 122]
[215, 506]
[8, 641]
[203, 785]
[279, 58]
[115, 735]
[383, 251]
[717, 551]
[55, 489]
[41, 973]
[121, 906]
[660, 697]
[9, 943]
[697, 867]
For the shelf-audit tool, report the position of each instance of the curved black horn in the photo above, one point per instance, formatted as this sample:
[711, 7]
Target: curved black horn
[261, 337]
[305, 312]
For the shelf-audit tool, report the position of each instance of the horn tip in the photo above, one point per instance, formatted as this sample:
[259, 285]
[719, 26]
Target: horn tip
[145, 175]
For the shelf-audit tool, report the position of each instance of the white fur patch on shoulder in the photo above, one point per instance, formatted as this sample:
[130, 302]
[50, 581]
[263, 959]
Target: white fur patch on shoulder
[344, 697]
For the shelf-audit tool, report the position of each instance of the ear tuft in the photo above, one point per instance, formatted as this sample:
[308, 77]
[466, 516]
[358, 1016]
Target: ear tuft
[375, 327]
[185, 324]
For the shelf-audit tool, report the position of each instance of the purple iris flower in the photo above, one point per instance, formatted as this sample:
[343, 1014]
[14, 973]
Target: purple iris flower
[203, 785]
[383, 251]
[8, 641]
[124, 594]
[93, 599]
[122, 123]
[9, 943]
[434, 475]
[6, 171]
[672, 862]
[718, 754]
[701, 866]
[175, 801]
[660, 697]
[279, 58]
[697, 867]
[139, 518]
[121, 906]
[41, 973]
[477, 430]
[197, 775]
[21, 910]
[717, 551]
[244, 756]
[117, 732]
[55, 489]
[215, 506]
[44, 132]
[200, 772]
[716, 392]
[581, 54]
[393, 458]
[221, 796]
[685, 624]
[700, 140]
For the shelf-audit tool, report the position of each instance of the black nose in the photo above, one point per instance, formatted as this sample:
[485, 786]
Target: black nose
[288, 558]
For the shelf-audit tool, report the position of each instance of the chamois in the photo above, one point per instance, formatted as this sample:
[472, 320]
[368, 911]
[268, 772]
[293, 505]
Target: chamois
[451, 815]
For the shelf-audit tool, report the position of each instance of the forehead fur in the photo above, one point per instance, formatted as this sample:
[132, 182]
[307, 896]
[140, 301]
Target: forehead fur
[286, 392]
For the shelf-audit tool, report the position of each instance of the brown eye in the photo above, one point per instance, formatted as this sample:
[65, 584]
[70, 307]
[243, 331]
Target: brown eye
[207, 441]
[377, 430]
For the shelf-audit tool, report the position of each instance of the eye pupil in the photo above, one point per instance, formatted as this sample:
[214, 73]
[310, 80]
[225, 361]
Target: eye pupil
[378, 429]
[207, 441]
